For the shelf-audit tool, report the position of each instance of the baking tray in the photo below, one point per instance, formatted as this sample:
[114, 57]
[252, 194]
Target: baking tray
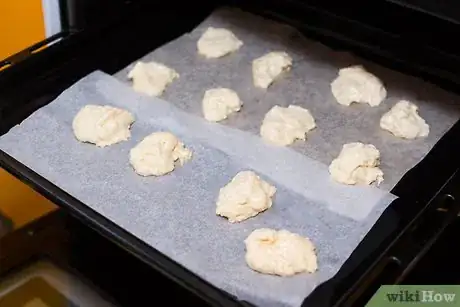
[47, 73]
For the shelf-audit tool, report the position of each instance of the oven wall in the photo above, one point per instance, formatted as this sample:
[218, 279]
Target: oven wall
[446, 9]
[81, 14]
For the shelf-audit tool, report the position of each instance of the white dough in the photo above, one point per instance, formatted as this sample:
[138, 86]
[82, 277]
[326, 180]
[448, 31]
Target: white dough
[219, 103]
[157, 154]
[267, 68]
[281, 252]
[102, 125]
[151, 78]
[217, 42]
[403, 121]
[355, 84]
[357, 163]
[282, 126]
[245, 196]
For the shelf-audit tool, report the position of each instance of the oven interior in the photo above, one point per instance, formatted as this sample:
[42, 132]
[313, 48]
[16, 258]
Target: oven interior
[96, 39]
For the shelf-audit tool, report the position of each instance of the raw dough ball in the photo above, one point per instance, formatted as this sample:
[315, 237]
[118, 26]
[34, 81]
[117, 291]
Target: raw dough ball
[282, 126]
[244, 197]
[151, 78]
[357, 163]
[217, 42]
[355, 84]
[282, 253]
[218, 103]
[102, 125]
[157, 153]
[267, 68]
[404, 122]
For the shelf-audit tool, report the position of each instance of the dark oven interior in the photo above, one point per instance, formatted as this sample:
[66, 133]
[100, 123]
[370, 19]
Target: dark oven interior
[108, 35]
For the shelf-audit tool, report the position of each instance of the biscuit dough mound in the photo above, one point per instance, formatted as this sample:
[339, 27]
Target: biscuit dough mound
[217, 42]
[157, 154]
[151, 78]
[404, 121]
[219, 103]
[355, 84]
[102, 125]
[357, 163]
[282, 126]
[280, 252]
[245, 196]
[269, 67]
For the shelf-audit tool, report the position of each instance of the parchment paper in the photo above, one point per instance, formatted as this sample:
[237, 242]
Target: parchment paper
[176, 213]
[307, 85]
